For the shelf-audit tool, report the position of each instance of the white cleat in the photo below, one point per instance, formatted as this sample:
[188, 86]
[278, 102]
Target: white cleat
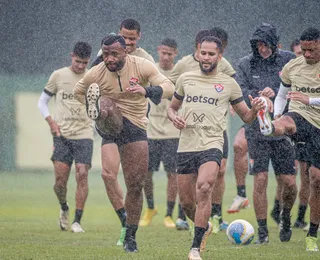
[93, 101]
[264, 119]
[194, 254]
[76, 228]
[238, 204]
[64, 220]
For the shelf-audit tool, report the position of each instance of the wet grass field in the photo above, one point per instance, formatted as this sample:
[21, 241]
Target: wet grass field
[29, 225]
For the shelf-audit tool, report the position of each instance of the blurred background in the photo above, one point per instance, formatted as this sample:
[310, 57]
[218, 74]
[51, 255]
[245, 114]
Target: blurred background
[38, 36]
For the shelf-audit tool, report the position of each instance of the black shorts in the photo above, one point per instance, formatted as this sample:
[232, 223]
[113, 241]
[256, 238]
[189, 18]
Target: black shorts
[164, 150]
[302, 153]
[308, 133]
[280, 152]
[189, 162]
[66, 150]
[225, 150]
[129, 134]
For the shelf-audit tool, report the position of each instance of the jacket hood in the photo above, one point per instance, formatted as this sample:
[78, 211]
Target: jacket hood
[266, 33]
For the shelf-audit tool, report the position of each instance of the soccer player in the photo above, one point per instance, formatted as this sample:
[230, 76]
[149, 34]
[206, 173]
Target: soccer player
[163, 140]
[258, 74]
[204, 96]
[190, 63]
[72, 133]
[123, 79]
[302, 76]
[130, 30]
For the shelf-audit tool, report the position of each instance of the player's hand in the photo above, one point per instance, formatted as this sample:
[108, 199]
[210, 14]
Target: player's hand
[256, 103]
[55, 129]
[267, 92]
[179, 122]
[293, 95]
[136, 88]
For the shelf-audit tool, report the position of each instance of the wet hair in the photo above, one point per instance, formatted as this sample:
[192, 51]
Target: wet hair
[213, 39]
[200, 35]
[310, 34]
[296, 42]
[104, 38]
[170, 43]
[82, 50]
[113, 38]
[131, 24]
[221, 34]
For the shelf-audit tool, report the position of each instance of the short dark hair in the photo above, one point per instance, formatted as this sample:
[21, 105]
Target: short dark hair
[310, 34]
[295, 42]
[82, 50]
[113, 38]
[213, 39]
[104, 38]
[170, 43]
[221, 34]
[200, 35]
[131, 24]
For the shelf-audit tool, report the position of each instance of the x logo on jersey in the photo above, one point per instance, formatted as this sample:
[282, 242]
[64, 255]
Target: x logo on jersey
[198, 117]
[75, 111]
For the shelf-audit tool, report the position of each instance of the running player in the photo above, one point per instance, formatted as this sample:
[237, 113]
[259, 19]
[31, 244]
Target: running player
[72, 133]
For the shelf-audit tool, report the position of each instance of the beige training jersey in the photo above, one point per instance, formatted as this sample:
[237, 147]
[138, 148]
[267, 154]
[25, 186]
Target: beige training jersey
[205, 103]
[138, 52]
[160, 127]
[70, 114]
[133, 106]
[304, 78]
[189, 63]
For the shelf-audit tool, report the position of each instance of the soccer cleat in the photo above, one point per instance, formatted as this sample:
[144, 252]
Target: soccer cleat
[191, 227]
[285, 228]
[122, 236]
[92, 101]
[205, 237]
[275, 215]
[64, 219]
[300, 224]
[130, 245]
[147, 217]
[168, 222]
[76, 228]
[264, 119]
[215, 224]
[238, 203]
[224, 225]
[311, 243]
[194, 254]
[182, 224]
[263, 237]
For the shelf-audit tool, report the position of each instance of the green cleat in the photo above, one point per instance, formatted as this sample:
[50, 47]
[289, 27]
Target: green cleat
[311, 243]
[122, 236]
[215, 224]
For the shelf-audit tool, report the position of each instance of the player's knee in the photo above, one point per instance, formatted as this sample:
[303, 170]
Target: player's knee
[315, 181]
[81, 173]
[204, 188]
[260, 182]
[239, 147]
[108, 175]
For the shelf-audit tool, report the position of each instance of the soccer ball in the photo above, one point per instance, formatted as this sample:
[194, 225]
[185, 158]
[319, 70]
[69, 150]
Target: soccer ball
[240, 232]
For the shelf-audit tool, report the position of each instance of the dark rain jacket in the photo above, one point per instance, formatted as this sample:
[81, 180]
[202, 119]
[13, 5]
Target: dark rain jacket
[255, 73]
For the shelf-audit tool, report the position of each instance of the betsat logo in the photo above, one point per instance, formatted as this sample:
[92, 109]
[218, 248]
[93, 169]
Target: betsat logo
[202, 99]
[67, 95]
[308, 89]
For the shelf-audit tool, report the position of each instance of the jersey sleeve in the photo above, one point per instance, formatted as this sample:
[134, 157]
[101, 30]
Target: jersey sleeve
[226, 67]
[51, 86]
[236, 94]
[179, 94]
[156, 78]
[178, 69]
[285, 76]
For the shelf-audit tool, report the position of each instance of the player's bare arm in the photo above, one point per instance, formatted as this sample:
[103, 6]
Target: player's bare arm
[177, 121]
[54, 127]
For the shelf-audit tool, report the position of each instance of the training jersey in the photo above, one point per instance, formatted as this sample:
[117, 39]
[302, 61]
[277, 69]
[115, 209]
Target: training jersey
[189, 63]
[160, 127]
[137, 52]
[205, 104]
[305, 78]
[133, 106]
[70, 114]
